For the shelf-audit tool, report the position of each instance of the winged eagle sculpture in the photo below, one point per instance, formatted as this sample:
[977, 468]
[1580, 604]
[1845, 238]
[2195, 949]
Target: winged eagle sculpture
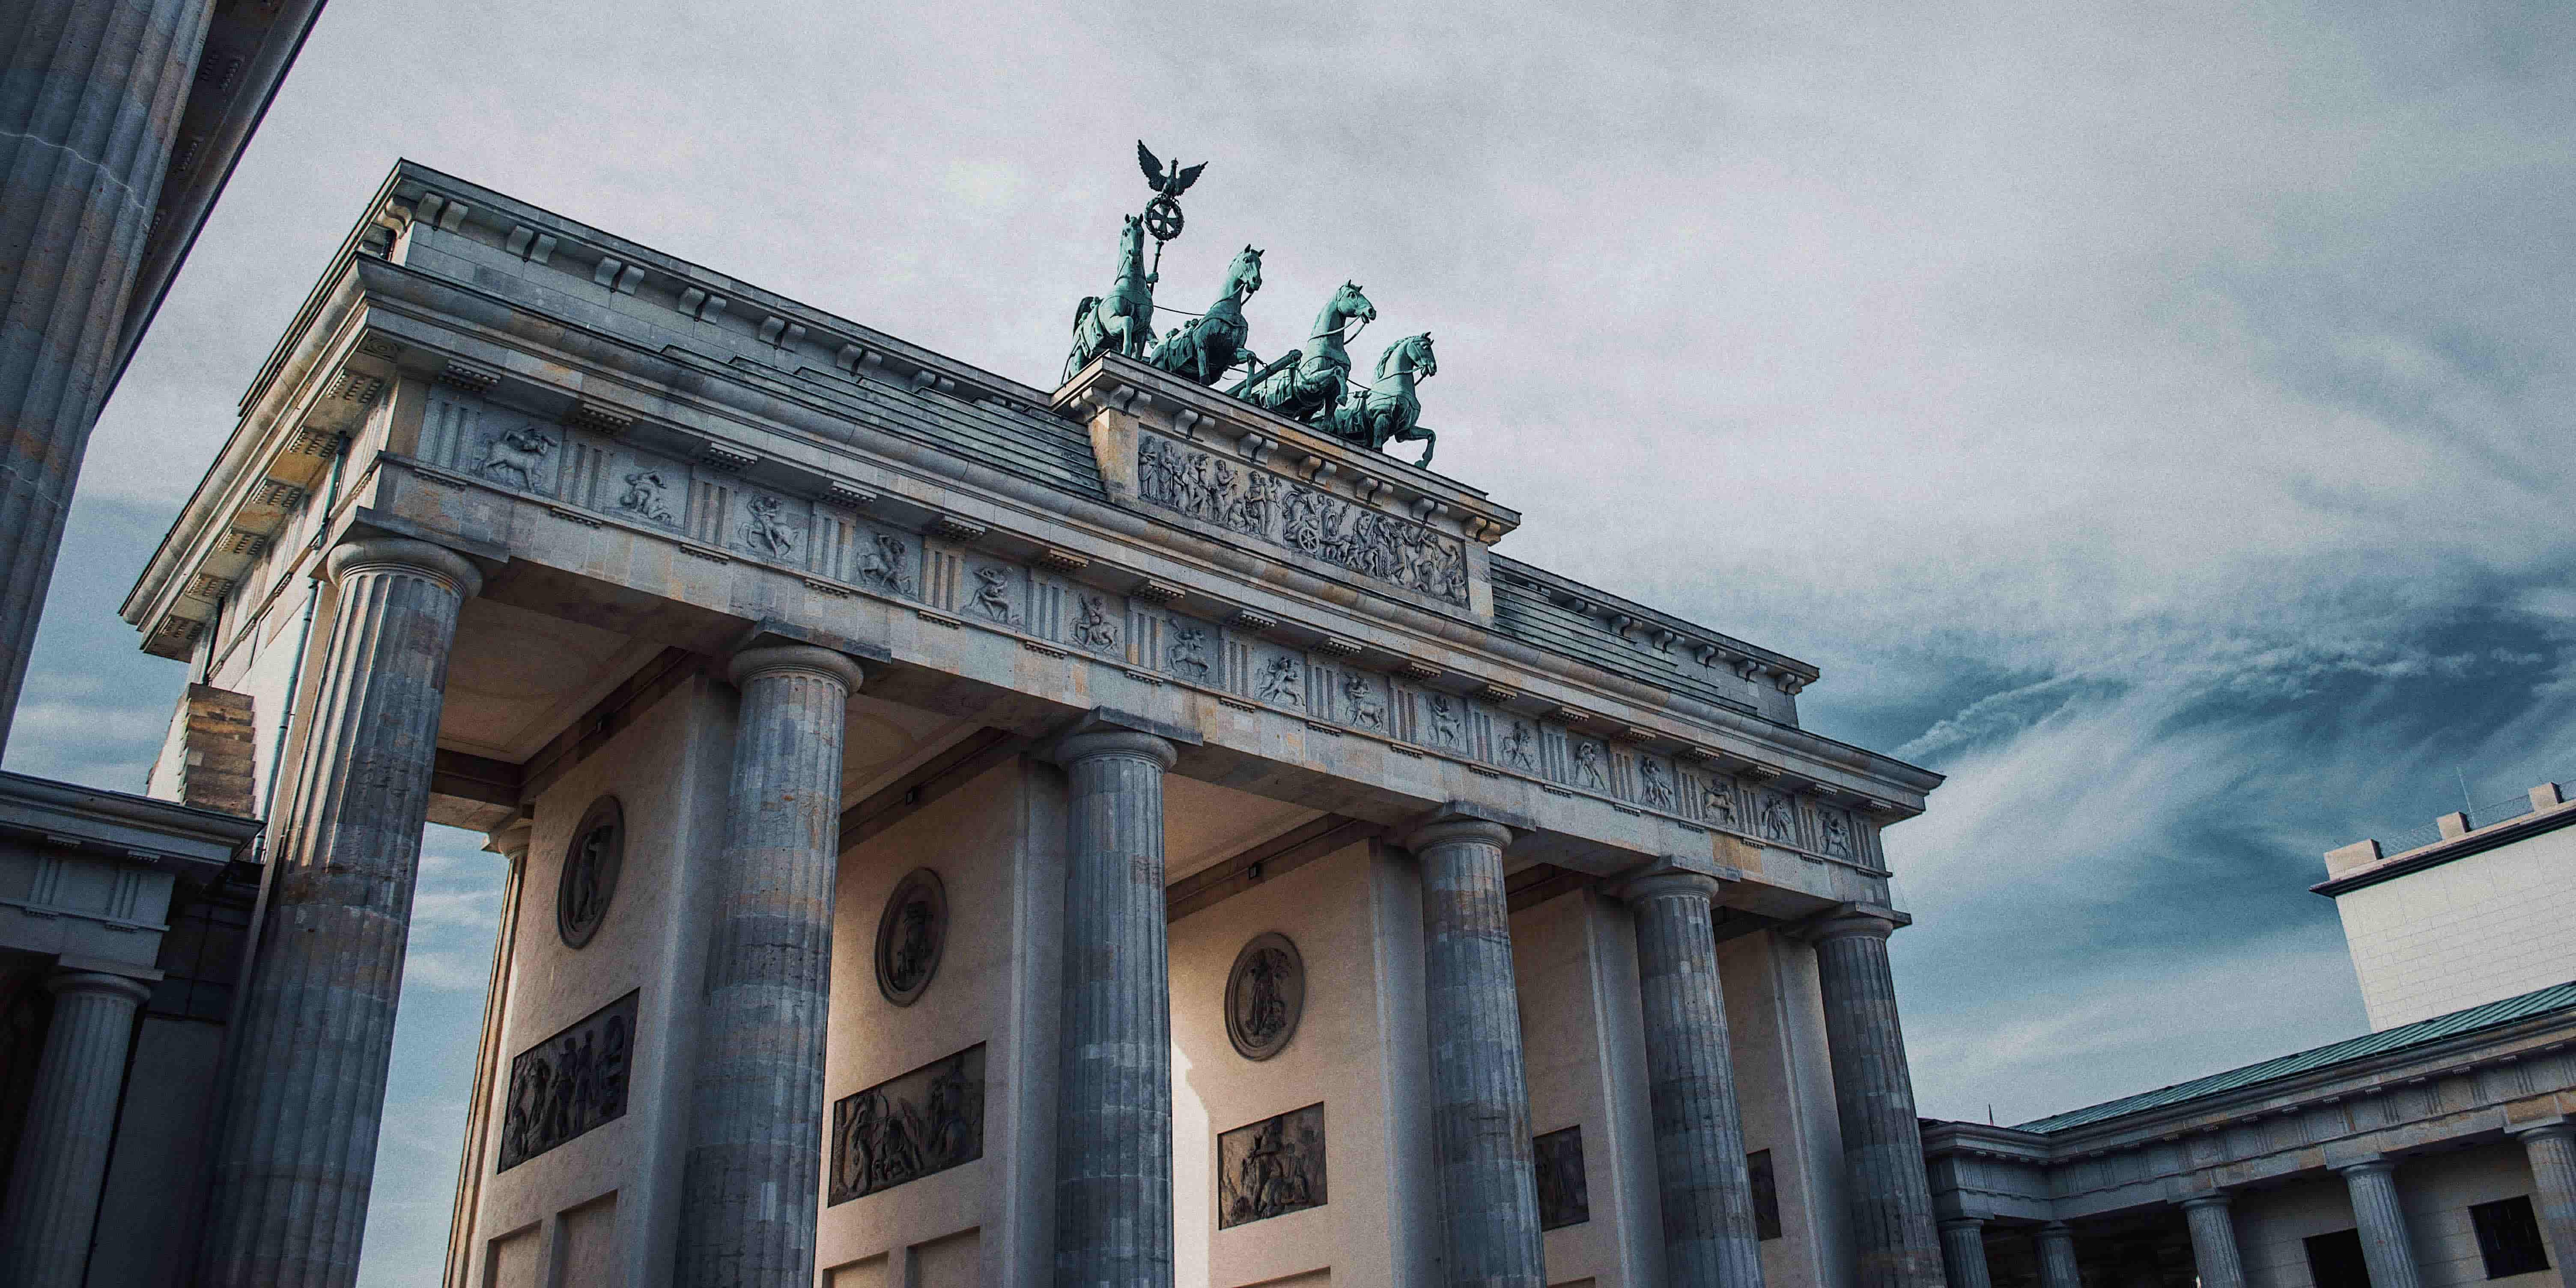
[1166, 185]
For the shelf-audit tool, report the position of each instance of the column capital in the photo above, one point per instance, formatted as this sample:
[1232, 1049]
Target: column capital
[1847, 920]
[1107, 731]
[1462, 821]
[1964, 1223]
[72, 981]
[359, 554]
[2541, 1130]
[2056, 1229]
[1674, 875]
[2208, 1199]
[2367, 1164]
[752, 663]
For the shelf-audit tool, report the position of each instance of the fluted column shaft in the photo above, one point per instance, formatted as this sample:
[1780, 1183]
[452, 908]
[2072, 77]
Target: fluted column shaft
[511, 842]
[2057, 1267]
[2385, 1246]
[90, 95]
[1480, 1118]
[71, 1121]
[1114, 1123]
[2213, 1241]
[307, 1094]
[1891, 1202]
[1710, 1238]
[1963, 1251]
[2552, 1151]
[755, 1165]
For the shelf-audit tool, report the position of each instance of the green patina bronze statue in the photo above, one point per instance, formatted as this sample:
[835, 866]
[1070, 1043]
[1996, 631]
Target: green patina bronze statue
[1387, 410]
[1307, 384]
[1206, 349]
[1122, 321]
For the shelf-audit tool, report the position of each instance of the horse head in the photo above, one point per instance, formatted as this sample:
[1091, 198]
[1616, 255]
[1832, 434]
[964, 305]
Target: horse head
[1131, 244]
[1413, 354]
[1349, 303]
[1243, 277]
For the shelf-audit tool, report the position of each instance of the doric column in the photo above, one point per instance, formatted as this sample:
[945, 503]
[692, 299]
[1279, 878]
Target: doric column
[755, 1164]
[511, 843]
[1891, 1202]
[1114, 1115]
[1480, 1119]
[2385, 1247]
[1963, 1251]
[90, 93]
[71, 1119]
[2057, 1257]
[2552, 1151]
[1709, 1233]
[307, 1091]
[2213, 1241]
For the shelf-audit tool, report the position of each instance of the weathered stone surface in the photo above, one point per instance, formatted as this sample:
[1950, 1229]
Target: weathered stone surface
[90, 93]
[2551, 1149]
[511, 843]
[1891, 1201]
[298, 1156]
[2385, 1245]
[71, 1118]
[1479, 1094]
[2213, 1242]
[1114, 1121]
[1709, 1235]
[217, 759]
[1963, 1253]
[755, 1134]
[2057, 1267]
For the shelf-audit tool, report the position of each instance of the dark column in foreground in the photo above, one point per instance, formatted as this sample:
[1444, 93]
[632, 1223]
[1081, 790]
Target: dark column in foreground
[1891, 1202]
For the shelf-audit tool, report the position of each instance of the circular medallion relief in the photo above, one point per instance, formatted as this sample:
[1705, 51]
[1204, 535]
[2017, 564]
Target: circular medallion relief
[1264, 995]
[910, 935]
[590, 870]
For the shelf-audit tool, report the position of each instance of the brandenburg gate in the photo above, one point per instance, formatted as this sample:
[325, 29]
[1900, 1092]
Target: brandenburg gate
[959, 832]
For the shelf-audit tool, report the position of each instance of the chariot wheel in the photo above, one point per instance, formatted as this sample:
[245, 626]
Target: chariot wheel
[1163, 218]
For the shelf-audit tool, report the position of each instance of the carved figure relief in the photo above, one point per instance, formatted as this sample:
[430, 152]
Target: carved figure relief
[765, 529]
[1304, 519]
[1564, 1198]
[1838, 836]
[1717, 801]
[911, 932]
[1367, 709]
[645, 496]
[1778, 824]
[1187, 653]
[1654, 785]
[993, 595]
[1520, 747]
[1444, 719]
[590, 868]
[516, 454]
[1270, 1168]
[1283, 681]
[1587, 766]
[568, 1084]
[888, 566]
[1091, 625]
[1265, 995]
[909, 1126]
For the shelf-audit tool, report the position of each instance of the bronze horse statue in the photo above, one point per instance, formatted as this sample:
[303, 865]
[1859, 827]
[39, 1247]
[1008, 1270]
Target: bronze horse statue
[1388, 410]
[1206, 349]
[1306, 385]
[1123, 320]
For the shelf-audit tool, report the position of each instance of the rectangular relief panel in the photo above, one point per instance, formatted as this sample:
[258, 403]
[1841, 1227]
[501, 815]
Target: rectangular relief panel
[1277, 510]
[569, 1083]
[1270, 1168]
[1564, 1196]
[909, 1126]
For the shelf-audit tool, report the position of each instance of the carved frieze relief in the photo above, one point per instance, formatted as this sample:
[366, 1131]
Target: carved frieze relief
[1271, 1168]
[569, 1084]
[1306, 519]
[1564, 1194]
[910, 1126]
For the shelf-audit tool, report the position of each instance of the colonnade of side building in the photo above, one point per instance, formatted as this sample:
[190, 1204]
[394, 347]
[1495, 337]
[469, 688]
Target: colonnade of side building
[296, 1161]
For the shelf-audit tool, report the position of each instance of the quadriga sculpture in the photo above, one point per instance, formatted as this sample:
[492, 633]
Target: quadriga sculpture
[1307, 384]
[1205, 349]
[1123, 320]
[1388, 410]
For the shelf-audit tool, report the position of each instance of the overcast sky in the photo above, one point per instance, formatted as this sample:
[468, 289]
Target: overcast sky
[2155, 417]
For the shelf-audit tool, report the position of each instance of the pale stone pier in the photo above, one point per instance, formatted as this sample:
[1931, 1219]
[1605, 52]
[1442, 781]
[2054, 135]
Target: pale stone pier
[962, 832]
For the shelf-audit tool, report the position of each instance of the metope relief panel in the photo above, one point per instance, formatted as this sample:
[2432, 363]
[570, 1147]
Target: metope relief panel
[1719, 804]
[1657, 785]
[1518, 745]
[882, 559]
[1837, 838]
[1775, 818]
[517, 453]
[570, 1083]
[1095, 621]
[1440, 722]
[996, 593]
[1191, 650]
[909, 1126]
[772, 527]
[1270, 1168]
[1278, 676]
[1282, 512]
